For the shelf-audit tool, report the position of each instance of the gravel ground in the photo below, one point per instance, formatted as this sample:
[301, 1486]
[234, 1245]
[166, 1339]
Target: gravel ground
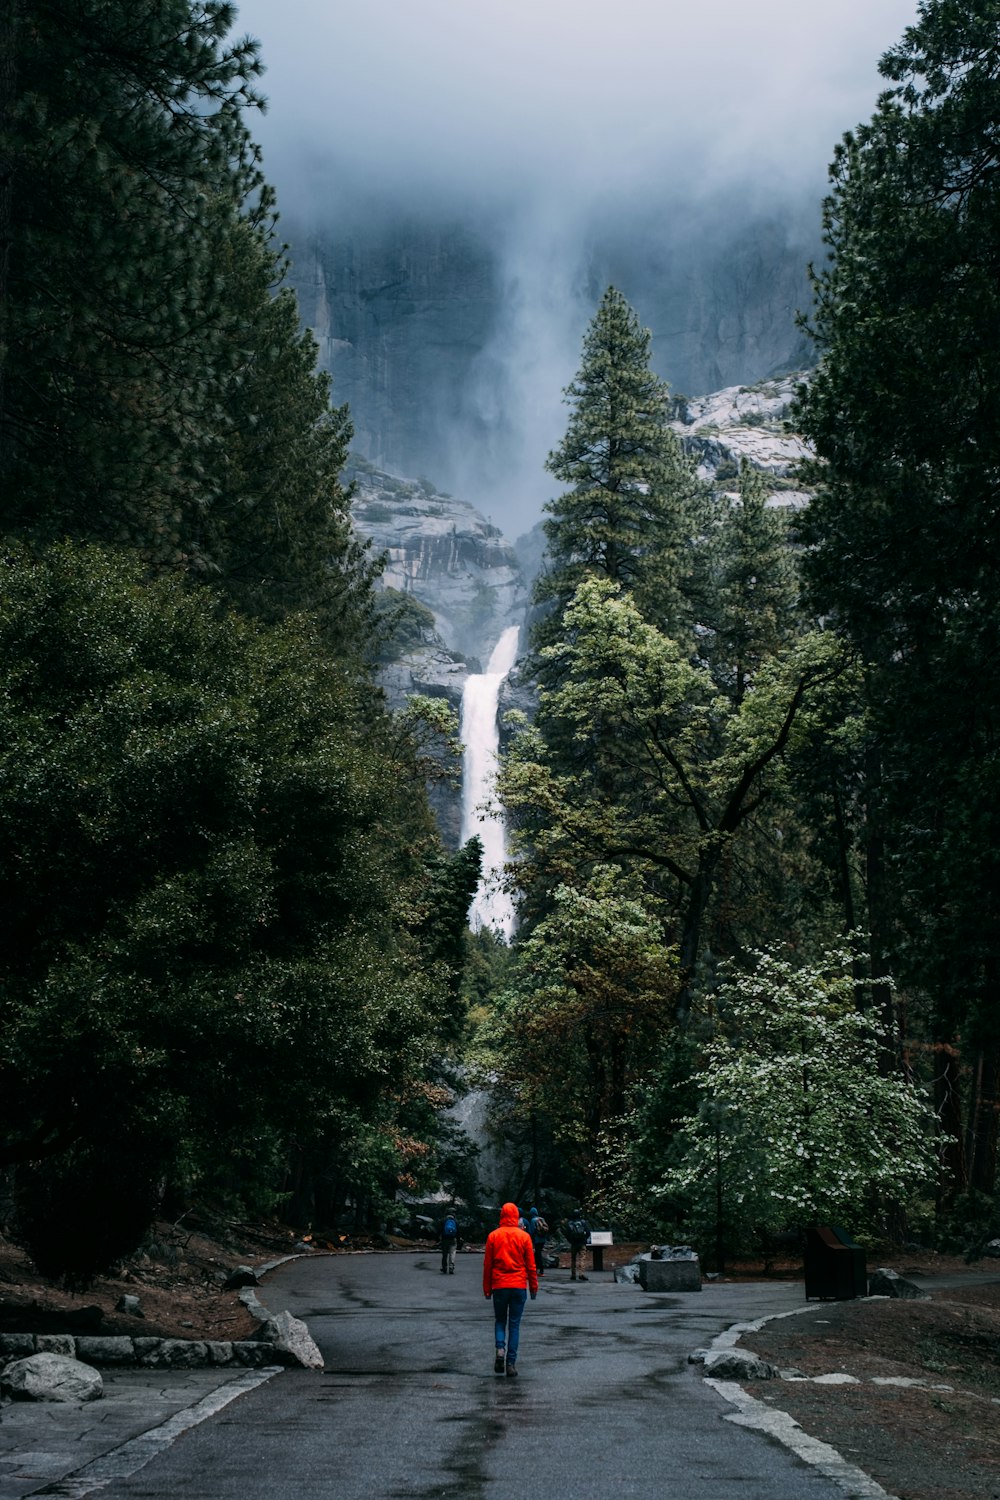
[939, 1440]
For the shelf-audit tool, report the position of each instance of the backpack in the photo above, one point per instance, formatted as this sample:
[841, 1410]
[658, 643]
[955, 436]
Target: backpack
[577, 1230]
[450, 1231]
[538, 1226]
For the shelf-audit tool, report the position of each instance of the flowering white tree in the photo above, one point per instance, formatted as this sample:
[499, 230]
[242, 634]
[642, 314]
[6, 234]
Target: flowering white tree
[798, 1123]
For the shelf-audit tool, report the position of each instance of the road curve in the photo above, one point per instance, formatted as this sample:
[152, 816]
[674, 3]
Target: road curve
[408, 1405]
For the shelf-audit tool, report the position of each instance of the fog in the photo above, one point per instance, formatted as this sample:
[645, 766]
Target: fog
[568, 134]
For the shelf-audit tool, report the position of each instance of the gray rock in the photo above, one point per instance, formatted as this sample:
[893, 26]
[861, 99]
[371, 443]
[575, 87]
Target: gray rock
[292, 1341]
[629, 1273]
[129, 1304]
[105, 1351]
[992, 1247]
[663, 1270]
[241, 1276]
[16, 1345]
[56, 1343]
[144, 1346]
[698, 1356]
[51, 1377]
[220, 1351]
[254, 1356]
[254, 1307]
[738, 1364]
[887, 1283]
[446, 555]
[175, 1354]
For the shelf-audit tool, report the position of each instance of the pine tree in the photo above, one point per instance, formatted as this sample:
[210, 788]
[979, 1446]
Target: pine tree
[128, 158]
[628, 514]
[904, 412]
[752, 604]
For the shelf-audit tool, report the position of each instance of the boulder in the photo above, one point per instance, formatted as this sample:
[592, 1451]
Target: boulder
[738, 1364]
[130, 1305]
[241, 1276]
[292, 1342]
[887, 1283]
[56, 1343]
[629, 1273]
[16, 1345]
[254, 1356]
[174, 1354]
[992, 1247]
[51, 1377]
[105, 1351]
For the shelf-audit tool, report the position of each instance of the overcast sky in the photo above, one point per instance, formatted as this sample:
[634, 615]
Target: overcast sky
[487, 97]
[545, 123]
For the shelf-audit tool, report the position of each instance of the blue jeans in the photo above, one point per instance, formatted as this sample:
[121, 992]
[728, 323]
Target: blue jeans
[508, 1305]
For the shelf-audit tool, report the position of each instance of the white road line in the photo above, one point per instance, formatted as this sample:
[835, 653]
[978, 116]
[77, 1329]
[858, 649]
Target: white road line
[125, 1460]
[856, 1484]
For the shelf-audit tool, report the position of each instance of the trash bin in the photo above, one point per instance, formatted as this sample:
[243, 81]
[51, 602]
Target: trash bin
[835, 1265]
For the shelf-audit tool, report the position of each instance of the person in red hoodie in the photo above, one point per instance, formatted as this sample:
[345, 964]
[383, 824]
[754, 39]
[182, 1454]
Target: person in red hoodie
[509, 1276]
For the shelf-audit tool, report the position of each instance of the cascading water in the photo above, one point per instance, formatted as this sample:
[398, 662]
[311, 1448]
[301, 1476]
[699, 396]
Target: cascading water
[491, 907]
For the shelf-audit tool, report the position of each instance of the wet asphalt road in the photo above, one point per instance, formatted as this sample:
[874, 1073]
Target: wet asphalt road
[605, 1405]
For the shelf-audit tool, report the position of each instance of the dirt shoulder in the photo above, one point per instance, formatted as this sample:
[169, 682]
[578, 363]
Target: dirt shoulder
[178, 1280]
[937, 1440]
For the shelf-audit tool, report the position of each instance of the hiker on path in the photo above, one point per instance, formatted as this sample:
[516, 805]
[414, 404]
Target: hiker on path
[509, 1277]
[538, 1230]
[449, 1243]
[577, 1232]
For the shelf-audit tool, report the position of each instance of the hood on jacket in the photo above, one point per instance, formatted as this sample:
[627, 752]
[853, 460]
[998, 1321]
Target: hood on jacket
[509, 1214]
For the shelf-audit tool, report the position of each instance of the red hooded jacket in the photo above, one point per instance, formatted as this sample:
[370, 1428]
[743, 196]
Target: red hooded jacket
[510, 1258]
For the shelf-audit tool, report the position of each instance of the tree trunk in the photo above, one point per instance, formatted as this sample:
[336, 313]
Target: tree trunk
[8, 85]
[882, 997]
[700, 892]
[984, 1120]
[948, 1102]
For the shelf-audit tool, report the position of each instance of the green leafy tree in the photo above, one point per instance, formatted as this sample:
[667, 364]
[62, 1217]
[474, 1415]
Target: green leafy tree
[590, 993]
[679, 778]
[207, 943]
[797, 1122]
[627, 515]
[904, 413]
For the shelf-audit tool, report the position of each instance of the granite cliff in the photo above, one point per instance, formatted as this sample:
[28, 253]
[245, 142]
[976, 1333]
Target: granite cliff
[446, 354]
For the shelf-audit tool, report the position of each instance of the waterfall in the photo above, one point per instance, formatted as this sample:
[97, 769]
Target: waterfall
[491, 907]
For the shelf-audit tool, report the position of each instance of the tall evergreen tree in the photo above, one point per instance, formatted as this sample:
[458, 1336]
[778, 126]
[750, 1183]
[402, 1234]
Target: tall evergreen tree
[128, 157]
[628, 514]
[904, 412]
[158, 392]
[751, 606]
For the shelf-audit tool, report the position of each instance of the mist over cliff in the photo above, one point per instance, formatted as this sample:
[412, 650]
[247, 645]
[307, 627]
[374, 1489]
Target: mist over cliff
[460, 183]
[452, 339]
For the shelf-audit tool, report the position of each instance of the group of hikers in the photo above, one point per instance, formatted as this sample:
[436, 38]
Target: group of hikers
[513, 1264]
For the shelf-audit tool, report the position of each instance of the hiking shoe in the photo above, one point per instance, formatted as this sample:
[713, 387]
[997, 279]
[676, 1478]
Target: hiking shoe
[511, 1369]
[498, 1363]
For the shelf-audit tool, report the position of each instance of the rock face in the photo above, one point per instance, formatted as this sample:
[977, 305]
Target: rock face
[443, 553]
[51, 1377]
[417, 319]
[748, 422]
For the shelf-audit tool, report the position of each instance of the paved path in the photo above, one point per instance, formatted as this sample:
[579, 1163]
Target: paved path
[408, 1407]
